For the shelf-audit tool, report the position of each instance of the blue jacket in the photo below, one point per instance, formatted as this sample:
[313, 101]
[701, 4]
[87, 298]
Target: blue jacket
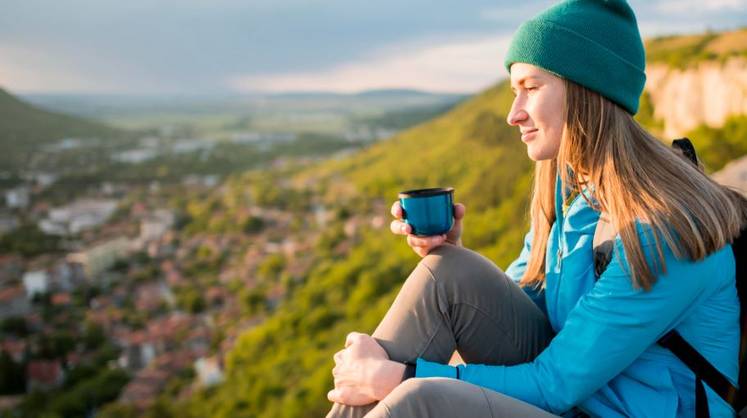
[604, 359]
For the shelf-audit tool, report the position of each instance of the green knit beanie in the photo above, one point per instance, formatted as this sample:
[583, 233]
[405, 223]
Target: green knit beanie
[594, 43]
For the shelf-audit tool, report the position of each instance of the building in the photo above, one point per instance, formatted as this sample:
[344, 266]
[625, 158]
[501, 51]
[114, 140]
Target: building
[13, 302]
[44, 375]
[136, 356]
[101, 256]
[65, 276]
[142, 390]
[17, 198]
[154, 226]
[78, 216]
[16, 349]
[8, 223]
[208, 370]
[44, 180]
[36, 283]
[11, 268]
[61, 299]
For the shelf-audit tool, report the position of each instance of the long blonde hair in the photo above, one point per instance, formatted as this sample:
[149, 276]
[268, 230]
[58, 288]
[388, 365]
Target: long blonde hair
[635, 177]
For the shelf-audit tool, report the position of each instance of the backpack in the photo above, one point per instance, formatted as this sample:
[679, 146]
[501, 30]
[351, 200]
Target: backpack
[604, 237]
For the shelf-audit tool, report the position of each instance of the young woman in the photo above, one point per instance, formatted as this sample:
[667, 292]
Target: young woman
[589, 345]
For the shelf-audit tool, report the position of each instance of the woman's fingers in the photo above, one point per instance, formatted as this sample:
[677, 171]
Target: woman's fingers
[338, 356]
[459, 211]
[425, 242]
[423, 245]
[396, 210]
[399, 228]
[335, 395]
[353, 338]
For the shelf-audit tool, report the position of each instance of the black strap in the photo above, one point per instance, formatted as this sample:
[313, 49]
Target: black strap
[701, 401]
[700, 366]
[687, 149]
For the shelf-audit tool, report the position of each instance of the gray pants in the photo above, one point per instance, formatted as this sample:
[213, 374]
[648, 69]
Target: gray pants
[456, 299]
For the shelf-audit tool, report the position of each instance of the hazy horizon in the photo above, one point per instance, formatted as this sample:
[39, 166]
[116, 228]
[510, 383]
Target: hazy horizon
[223, 47]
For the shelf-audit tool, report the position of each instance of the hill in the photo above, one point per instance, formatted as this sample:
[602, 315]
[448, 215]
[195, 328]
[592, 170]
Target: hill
[25, 128]
[678, 51]
[25, 123]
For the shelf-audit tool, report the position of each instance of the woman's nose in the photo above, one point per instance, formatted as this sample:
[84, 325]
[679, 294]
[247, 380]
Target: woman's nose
[516, 115]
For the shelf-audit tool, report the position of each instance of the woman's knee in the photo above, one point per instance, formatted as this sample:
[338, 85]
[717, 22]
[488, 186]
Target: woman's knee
[415, 392]
[458, 268]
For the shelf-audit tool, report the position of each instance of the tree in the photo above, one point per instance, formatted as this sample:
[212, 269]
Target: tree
[12, 378]
[15, 325]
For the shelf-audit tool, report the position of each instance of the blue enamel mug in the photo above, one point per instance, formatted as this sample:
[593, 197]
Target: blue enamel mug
[428, 211]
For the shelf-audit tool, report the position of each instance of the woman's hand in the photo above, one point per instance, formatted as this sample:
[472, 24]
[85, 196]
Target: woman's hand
[424, 245]
[363, 372]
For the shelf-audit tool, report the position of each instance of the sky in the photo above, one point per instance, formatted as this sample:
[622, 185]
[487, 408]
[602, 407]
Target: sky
[151, 47]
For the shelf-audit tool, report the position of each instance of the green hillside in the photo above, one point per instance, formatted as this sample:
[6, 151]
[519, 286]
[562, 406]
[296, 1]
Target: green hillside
[683, 51]
[24, 128]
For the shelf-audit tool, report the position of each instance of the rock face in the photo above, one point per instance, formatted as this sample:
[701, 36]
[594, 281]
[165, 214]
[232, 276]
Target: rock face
[706, 94]
[734, 175]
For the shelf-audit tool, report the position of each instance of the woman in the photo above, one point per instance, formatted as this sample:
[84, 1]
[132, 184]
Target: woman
[589, 345]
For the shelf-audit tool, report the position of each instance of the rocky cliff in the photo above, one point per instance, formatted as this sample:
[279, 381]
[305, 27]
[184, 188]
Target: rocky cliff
[698, 79]
[706, 94]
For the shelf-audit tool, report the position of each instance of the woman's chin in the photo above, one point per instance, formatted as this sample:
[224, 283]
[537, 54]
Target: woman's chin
[539, 156]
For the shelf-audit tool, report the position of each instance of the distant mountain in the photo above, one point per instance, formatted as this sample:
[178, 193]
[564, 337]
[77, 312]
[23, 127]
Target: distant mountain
[29, 125]
[24, 129]
[401, 92]
[293, 107]
[373, 93]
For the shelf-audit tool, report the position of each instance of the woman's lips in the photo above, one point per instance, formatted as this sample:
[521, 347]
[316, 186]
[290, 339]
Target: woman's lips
[528, 135]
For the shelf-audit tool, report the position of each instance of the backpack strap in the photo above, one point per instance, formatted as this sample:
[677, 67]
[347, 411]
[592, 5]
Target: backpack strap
[703, 370]
[685, 146]
[604, 242]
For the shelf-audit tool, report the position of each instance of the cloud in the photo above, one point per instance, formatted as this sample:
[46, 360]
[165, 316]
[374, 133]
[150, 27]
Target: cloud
[459, 65]
[32, 69]
[175, 46]
[693, 7]
[28, 70]
[515, 13]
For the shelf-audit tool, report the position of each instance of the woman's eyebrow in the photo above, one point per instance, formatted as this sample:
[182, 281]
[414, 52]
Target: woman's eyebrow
[521, 81]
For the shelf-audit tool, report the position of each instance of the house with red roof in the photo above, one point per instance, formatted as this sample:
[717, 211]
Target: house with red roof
[44, 375]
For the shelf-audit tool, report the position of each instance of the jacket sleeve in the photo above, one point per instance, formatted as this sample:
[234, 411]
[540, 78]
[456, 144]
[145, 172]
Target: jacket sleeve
[517, 268]
[607, 330]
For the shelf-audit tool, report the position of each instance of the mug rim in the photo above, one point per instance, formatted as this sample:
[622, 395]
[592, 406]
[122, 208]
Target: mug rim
[432, 191]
